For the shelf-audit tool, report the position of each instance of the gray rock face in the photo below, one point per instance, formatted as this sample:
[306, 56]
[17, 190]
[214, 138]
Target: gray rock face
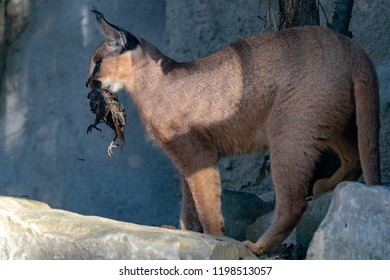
[239, 211]
[206, 26]
[303, 233]
[357, 225]
[384, 83]
[32, 230]
[45, 151]
[313, 216]
[370, 32]
[3, 38]
[241, 173]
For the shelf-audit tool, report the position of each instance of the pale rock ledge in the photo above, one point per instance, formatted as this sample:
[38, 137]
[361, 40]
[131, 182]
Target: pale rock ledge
[33, 230]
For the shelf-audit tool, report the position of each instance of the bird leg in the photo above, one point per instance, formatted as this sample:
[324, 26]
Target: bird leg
[111, 146]
[93, 126]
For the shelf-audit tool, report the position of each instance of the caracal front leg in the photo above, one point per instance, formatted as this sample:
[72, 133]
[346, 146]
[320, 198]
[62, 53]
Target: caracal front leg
[205, 188]
[196, 159]
[189, 219]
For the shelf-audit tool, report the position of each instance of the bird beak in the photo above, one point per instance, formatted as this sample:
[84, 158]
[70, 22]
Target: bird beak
[93, 84]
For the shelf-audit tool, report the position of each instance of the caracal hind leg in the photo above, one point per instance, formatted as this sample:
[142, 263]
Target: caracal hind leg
[349, 170]
[189, 219]
[292, 167]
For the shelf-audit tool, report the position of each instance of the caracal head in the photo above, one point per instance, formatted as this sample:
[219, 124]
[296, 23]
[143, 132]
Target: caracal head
[111, 63]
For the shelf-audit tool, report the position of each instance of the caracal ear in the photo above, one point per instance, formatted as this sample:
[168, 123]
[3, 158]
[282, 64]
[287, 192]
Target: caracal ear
[115, 36]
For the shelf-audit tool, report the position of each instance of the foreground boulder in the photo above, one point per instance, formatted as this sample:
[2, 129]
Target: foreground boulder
[32, 230]
[357, 225]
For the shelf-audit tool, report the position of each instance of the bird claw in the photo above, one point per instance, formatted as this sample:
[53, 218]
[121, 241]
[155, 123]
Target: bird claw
[110, 147]
[93, 126]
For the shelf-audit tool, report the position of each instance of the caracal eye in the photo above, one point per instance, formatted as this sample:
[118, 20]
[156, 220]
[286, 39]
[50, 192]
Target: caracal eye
[96, 69]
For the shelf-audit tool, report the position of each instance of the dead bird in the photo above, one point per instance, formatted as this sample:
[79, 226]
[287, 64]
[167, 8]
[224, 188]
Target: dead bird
[107, 108]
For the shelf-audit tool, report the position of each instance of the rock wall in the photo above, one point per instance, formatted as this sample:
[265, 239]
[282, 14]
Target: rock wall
[369, 26]
[45, 152]
[3, 38]
[197, 28]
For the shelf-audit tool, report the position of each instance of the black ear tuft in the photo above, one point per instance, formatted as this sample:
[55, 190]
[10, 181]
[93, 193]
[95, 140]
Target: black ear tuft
[99, 15]
[131, 41]
[115, 35]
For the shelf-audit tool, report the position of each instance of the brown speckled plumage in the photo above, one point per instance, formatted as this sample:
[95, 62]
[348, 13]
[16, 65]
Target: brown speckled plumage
[107, 108]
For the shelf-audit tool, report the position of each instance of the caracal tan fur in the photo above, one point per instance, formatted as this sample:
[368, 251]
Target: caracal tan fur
[294, 93]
